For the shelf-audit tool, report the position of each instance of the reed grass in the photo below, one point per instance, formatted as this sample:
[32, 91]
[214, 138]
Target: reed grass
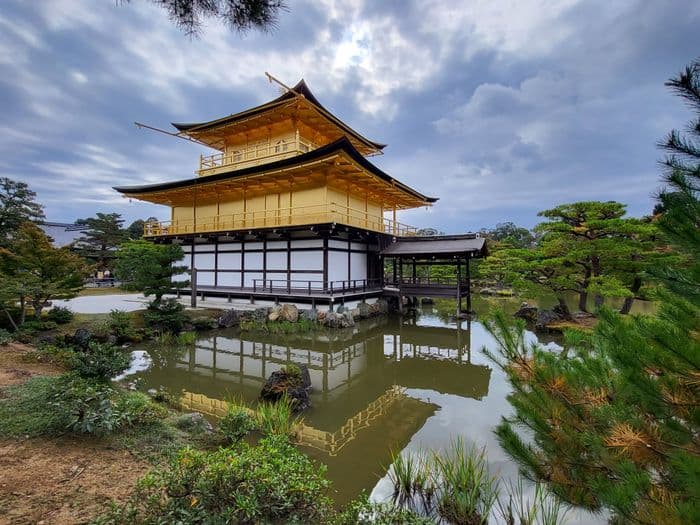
[278, 418]
[187, 338]
[543, 509]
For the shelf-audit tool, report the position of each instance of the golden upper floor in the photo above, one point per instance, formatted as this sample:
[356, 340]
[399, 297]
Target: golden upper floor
[290, 125]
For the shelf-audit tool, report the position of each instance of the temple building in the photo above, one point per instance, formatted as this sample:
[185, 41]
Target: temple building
[290, 207]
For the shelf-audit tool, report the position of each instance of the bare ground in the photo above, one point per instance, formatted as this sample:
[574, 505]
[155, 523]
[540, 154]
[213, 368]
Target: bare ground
[65, 480]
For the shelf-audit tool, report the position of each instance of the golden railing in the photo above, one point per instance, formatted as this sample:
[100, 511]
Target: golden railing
[297, 216]
[254, 155]
[329, 442]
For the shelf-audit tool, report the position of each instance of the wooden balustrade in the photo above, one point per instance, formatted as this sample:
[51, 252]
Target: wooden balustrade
[254, 155]
[280, 217]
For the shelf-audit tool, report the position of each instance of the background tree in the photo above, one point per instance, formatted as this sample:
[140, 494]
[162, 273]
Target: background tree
[240, 15]
[585, 248]
[34, 272]
[613, 422]
[17, 205]
[103, 235]
[135, 229]
[150, 268]
[510, 234]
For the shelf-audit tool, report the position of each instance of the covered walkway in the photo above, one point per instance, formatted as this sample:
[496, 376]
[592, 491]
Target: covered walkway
[410, 253]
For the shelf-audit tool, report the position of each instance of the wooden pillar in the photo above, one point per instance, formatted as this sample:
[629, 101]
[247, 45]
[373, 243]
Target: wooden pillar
[459, 286]
[469, 286]
[394, 275]
[414, 270]
[193, 288]
[325, 261]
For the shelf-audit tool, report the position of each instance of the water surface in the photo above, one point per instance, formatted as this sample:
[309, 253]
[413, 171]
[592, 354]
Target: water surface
[389, 384]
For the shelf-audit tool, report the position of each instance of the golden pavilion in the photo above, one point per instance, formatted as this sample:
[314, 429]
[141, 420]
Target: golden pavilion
[289, 205]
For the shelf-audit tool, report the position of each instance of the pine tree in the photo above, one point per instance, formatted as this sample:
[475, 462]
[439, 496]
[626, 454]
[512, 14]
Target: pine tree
[613, 421]
[103, 235]
[17, 205]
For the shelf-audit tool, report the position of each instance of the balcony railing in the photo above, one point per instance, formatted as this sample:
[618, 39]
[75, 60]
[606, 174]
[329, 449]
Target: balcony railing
[299, 216]
[253, 155]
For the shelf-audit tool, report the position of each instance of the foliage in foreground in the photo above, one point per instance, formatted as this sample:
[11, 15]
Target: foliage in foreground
[269, 483]
[613, 422]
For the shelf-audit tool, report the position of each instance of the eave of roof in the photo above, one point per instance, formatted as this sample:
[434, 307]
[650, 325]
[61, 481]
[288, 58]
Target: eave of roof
[340, 145]
[437, 245]
[300, 88]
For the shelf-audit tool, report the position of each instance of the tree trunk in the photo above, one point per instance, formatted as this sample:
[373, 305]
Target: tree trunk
[12, 321]
[38, 307]
[598, 301]
[583, 294]
[627, 305]
[595, 266]
[22, 310]
[563, 307]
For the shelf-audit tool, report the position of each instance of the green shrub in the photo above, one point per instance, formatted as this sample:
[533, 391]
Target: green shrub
[55, 352]
[60, 315]
[34, 326]
[136, 408]
[5, 337]
[269, 483]
[293, 373]
[87, 405]
[236, 424]
[187, 338]
[168, 316]
[101, 329]
[120, 325]
[100, 362]
[203, 323]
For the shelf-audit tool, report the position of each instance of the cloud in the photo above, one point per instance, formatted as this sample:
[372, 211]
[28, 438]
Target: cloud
[499, 108]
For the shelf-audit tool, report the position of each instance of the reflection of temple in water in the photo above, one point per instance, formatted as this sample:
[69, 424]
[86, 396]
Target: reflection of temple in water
[361, 410]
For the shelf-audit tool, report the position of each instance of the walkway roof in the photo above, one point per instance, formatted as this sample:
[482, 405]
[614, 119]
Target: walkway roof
[443, 245]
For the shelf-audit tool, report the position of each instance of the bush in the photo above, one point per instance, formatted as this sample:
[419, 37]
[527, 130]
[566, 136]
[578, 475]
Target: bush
[168, 316]
[270, 483]
[87, 405]
[204, 323]
[277, 419]
[5, 337]
[136, 408]
[120, 325]
[364, 512]
[100, 362]
[60, 315]
[236, 424]
[187, 338]
[56, 352]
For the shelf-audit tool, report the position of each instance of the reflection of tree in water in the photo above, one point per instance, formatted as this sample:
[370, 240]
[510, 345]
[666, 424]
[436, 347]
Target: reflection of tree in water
[165, 356]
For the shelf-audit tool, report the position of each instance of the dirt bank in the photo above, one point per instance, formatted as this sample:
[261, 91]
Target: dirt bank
[63, 480]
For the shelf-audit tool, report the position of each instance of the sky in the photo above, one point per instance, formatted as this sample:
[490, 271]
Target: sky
[499, 108]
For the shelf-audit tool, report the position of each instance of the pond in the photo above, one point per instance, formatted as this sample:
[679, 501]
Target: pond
[388, 384]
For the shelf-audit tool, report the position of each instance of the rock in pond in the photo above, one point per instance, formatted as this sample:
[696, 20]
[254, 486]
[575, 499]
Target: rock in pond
[228, 319]
[289, 313]
[296, 386]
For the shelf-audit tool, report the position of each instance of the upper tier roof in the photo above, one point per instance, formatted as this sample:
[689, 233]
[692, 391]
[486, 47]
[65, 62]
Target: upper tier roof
[201, 131]
[331, 153]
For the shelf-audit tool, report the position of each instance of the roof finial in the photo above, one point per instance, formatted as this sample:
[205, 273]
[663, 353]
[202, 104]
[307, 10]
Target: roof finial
[283, 85]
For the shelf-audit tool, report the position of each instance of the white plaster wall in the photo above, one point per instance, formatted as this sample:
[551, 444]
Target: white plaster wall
[307, 243]
[254, 260]
[337, 266]
[277, 261]
[204, 261]
[205, 278]
[229, 261]
[204, 248]
[334, 243]
[307, 260]
[358, 265]
[229, 246]
[272, 245]
[249, 276]
[229, 279]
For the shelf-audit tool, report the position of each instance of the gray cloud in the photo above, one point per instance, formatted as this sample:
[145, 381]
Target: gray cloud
[499, 108]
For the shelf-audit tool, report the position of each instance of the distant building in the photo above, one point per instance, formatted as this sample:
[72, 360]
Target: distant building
[62, 233]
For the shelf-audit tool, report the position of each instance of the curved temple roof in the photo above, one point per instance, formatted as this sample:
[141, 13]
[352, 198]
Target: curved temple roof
[341, 145]
[299, 89]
